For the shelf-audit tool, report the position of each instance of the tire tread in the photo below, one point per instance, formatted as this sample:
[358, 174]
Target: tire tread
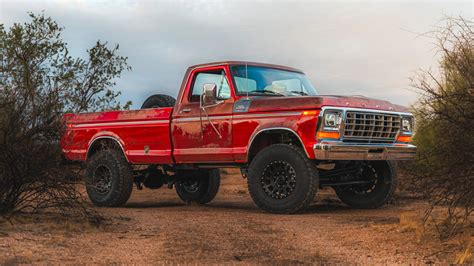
[158, 100]
[314, 180]
[375, 203]
[202, 196]
[122, 192]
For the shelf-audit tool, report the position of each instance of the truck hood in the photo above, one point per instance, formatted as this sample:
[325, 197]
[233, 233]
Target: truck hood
[263, 103]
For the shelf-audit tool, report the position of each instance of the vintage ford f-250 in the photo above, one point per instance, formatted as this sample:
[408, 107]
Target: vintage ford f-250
[268, 120]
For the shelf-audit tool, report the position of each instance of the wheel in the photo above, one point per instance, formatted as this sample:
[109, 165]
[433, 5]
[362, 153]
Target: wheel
[109, 179]
[202, 187]
[281, 179]
[382, 181]
[158, 100]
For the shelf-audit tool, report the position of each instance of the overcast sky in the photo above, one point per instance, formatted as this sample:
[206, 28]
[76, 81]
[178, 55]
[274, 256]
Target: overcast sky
[345, 47]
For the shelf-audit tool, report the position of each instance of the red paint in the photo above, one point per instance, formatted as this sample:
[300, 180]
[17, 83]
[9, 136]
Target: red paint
[133, 129]
[195, 140]
[173, 136]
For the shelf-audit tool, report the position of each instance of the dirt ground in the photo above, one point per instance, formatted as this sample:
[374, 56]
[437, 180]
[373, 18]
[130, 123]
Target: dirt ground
[156, 227]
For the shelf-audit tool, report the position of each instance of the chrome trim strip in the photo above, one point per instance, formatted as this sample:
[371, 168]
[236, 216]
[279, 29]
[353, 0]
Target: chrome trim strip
[247, 115]
[106, 137]
[149, 122]
[237, 116]
[274, 128]
[198, 118]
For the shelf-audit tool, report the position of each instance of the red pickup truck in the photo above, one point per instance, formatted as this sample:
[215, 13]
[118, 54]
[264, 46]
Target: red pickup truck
[267, 120]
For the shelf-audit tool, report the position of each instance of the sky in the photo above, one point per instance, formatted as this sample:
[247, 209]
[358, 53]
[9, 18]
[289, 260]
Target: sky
[345, 47]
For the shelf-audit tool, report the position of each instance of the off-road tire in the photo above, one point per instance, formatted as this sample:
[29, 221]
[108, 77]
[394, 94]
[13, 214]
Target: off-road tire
[159, 100]
[207, 188]
[305, 175]
[381, 194]
[121, 178]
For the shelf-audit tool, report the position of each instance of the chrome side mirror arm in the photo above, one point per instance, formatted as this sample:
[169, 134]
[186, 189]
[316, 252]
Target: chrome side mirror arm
[209, 90]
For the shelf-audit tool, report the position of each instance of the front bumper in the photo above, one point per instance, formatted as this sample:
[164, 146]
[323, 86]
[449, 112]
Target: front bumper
[345, 151]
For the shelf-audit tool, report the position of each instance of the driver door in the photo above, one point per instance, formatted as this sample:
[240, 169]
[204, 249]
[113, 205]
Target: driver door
[204, 133]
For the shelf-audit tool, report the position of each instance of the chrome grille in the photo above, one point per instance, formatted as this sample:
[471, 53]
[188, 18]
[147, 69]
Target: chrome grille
[371, 127]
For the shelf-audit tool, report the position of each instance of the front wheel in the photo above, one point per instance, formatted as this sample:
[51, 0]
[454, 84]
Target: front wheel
[202, 187]
[281, 179]
[381, 181]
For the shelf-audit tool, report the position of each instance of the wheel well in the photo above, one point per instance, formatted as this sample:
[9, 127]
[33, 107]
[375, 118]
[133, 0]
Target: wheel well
[103, 144]
[270, 137]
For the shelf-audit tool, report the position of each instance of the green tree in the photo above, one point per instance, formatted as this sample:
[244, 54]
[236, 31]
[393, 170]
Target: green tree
[39, 82]
[444, 135]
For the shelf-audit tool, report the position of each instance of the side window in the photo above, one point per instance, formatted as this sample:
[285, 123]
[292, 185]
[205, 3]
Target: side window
[216, 77]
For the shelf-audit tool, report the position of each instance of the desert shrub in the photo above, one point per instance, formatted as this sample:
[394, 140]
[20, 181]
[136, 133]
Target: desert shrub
[39, 82]
[444, 171]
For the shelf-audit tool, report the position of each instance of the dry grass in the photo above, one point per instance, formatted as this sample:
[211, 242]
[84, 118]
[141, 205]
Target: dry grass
[413, 221]
[156, 228]
[465, 256]
[241, 191]
[459, 247]
[51, 221]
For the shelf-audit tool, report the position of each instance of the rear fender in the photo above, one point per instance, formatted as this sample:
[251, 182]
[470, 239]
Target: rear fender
[108, 136]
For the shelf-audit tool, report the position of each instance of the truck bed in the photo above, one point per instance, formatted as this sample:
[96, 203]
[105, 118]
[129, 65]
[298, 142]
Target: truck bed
[144, 135]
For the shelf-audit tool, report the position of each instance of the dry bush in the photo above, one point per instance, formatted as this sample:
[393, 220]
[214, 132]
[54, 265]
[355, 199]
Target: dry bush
[39, 82]
[444, 170]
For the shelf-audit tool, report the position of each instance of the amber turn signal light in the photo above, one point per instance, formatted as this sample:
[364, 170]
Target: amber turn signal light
[310, 112]
[328, 135]
[404, 139]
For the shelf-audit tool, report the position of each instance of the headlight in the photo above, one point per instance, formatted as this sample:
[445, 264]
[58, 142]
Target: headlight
[332, 119]
[407, 124]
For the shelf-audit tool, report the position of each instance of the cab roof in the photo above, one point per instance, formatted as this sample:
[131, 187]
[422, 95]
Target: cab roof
[220, 63]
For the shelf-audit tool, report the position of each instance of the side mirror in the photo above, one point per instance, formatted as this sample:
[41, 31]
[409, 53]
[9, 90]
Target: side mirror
[209, 94]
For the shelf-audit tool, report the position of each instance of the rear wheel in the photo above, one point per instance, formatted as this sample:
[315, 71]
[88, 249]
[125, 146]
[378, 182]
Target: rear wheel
[281, 179]
[379, 188]
[201, 187]
[109, 179]
[159, 100]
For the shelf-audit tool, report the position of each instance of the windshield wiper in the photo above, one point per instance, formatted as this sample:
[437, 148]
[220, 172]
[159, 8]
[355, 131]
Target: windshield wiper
[299, 92]
[267, 91]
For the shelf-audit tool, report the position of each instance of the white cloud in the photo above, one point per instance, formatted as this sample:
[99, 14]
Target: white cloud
[345, 47]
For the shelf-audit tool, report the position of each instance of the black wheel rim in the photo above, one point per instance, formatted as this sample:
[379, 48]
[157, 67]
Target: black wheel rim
[102, 180]
[369, 174]
[191, 186]
[278, 179]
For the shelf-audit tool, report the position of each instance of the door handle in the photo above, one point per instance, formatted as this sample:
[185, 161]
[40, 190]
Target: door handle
[186, 110]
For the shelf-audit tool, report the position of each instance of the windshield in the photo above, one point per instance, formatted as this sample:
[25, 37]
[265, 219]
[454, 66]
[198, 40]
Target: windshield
[270, 81]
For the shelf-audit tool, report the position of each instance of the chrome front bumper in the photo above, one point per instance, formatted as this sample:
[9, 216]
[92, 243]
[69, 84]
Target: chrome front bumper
[345, 151]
